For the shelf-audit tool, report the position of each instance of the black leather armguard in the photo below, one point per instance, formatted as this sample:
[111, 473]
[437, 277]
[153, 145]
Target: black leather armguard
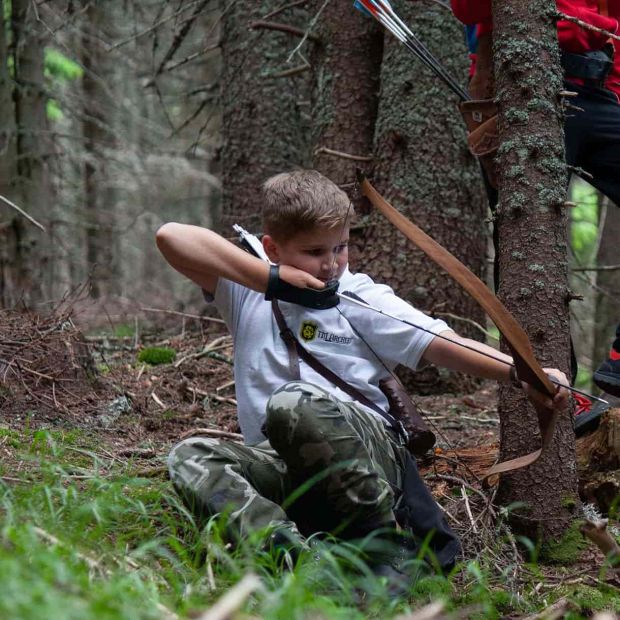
[317, 299]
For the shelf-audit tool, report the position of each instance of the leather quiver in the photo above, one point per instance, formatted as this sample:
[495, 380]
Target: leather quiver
[421, 438]
[480, 117]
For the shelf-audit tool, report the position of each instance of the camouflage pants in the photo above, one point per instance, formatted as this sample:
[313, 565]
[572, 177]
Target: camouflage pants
[328, 466]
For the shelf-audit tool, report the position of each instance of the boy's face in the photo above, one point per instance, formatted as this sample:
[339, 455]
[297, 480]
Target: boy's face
[321, 252]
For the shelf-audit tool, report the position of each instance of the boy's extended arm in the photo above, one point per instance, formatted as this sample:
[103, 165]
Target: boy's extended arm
[204, 256]
[449, 354]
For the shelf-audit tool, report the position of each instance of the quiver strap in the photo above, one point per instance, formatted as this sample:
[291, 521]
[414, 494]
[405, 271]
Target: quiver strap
[480, 117]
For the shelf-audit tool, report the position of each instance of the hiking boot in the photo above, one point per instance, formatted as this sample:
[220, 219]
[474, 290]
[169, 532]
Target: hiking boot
[607, 376]
[587, 415]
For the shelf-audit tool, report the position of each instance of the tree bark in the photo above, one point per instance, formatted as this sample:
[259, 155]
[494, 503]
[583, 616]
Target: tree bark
[424, 169]
[346, 68]
[35, 259]
[99, 140]
[533, 255]
[8, 218]
[264, 130]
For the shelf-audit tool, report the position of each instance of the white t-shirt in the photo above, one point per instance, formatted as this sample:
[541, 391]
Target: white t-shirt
[261, 357]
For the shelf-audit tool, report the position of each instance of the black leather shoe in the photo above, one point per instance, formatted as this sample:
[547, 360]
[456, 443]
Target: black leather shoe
[607, 376]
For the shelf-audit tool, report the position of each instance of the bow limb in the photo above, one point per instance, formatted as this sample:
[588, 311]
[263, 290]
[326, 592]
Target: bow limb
[527, 366]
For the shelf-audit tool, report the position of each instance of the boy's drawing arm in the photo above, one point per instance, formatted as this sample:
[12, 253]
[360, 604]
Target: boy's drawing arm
[448, 352]
[204, 256]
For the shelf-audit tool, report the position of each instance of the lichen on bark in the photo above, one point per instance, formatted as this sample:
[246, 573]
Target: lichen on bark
[533, 256]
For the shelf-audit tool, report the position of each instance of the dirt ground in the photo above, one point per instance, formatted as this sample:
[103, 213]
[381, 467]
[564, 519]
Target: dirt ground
[52, 373]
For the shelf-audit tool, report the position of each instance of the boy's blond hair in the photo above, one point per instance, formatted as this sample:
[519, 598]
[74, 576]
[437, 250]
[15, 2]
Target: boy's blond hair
[301, 200]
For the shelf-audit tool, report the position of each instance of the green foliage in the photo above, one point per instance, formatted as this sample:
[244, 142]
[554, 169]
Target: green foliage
[584, 222]
[61, 68]
[590, 599]
[124, 330]
[157, 355]
[85, 537]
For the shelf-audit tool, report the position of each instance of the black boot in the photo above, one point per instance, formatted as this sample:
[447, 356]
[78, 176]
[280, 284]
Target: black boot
[607, 376]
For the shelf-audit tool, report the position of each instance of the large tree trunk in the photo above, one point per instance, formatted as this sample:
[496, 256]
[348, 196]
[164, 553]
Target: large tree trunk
[35, 260]
[424, 169]
[101, 241]
[346, 67]
[608, 284]
[533, 254]
[263, 129]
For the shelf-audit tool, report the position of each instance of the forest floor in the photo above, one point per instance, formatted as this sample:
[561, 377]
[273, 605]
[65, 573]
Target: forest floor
[84, 431]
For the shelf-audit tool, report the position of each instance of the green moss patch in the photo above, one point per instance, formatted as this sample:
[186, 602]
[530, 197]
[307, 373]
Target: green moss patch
[567, 550]
[157, 355]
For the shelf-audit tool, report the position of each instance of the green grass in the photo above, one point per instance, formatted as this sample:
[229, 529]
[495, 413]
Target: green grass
[85, 536]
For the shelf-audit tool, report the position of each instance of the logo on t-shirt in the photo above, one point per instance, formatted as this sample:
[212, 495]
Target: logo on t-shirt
[308, 330]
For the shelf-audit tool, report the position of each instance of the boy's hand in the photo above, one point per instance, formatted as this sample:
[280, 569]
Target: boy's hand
[544, 402]
[299, 278]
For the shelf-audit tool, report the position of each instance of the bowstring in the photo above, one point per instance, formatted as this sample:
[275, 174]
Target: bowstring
[342, 229]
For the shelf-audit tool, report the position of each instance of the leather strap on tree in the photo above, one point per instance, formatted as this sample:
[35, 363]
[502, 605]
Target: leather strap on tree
[526, 364]
[480, 118]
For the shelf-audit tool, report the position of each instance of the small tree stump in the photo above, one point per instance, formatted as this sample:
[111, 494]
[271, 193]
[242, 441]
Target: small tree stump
[598, 462]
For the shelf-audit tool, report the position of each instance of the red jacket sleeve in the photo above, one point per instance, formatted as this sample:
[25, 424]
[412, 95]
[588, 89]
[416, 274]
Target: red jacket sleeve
[574, 38]
[472, 11]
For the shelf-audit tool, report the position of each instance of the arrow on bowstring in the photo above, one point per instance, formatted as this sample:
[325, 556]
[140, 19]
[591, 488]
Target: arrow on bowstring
[527, 366]
[382, 11]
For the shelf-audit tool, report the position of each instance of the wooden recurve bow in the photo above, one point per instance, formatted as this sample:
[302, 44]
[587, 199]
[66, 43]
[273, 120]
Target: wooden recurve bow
[527, 366]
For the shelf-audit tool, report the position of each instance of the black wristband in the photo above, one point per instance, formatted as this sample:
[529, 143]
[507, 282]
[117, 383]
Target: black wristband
[514, 378]
[317, 299]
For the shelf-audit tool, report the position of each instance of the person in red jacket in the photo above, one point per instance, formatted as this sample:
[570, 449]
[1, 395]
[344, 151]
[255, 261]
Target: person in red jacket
[591, 63]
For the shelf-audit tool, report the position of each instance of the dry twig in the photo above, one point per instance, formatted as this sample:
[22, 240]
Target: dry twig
[233, 600]
[212, 432]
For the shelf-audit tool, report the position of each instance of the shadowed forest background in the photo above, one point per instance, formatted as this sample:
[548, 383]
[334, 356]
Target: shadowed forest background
[119, 116]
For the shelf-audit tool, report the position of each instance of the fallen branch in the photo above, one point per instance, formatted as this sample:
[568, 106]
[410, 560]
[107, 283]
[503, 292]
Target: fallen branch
[216, 344]
[433, 611]
[219, 399]
[212, 432]
[553, 612]
[233, 600]
[189, 316]
[290, 72]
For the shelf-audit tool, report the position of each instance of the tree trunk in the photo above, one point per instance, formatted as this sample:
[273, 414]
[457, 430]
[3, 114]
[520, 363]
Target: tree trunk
[346, 68]
[424, 169]
[98, 141]
[34, 261]
[8, 218]
[608, 283]
[263, 131]
[533, 254]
